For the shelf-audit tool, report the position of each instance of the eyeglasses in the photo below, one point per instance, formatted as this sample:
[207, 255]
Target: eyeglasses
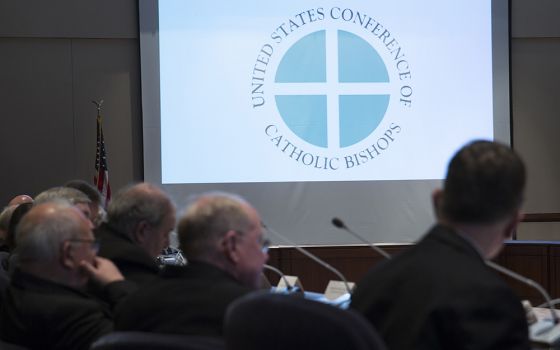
[93, 242]
[265, 245]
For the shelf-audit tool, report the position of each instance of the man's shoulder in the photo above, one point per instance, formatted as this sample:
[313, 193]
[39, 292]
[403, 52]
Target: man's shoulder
[50, 305]
[440, 265]
[441, 250]
[129, 257]
[112, 241]
[183, 285]
[196, 276]
[58, 318]
[202, 294]
[48, 297]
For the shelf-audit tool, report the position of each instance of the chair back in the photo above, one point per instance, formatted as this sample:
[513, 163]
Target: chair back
[268, 321]
[9, 346]
[150, 341]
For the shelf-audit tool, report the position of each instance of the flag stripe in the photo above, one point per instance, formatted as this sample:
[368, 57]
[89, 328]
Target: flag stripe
[101, 177]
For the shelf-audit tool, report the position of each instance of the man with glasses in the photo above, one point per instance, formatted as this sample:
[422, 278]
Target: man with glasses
[45, 306]
[222, 238]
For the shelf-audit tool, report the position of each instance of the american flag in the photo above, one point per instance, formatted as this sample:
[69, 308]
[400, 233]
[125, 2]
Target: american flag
[101, 177]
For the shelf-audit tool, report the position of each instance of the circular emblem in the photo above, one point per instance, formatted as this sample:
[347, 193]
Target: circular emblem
[331, 86]
[307, 113]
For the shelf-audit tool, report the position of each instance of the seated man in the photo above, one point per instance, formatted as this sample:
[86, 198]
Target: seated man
[95, 205]
[140, 218]
[75, 197]
[222, 237]
[440, 294]
[45, 306]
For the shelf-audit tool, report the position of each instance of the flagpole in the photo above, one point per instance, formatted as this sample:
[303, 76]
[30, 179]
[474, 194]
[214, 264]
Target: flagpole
[98, 105]
[101, 177]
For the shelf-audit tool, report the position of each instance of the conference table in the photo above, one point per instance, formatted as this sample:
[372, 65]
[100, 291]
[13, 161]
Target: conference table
[344, 301]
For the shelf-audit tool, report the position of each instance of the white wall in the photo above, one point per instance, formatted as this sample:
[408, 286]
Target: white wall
[58, 55]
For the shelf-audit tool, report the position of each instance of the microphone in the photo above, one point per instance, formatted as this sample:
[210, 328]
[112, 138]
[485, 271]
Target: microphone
[340, 224]
[542, 331]
[310, 256]
[289, 287]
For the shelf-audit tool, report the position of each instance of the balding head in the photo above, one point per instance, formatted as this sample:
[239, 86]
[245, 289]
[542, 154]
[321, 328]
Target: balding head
[144, 213]
[224, 230]
[54, 241]
[45, 227]
[20, 199]
[207, 219]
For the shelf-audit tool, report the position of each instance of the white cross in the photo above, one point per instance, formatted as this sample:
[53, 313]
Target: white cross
[331, 88]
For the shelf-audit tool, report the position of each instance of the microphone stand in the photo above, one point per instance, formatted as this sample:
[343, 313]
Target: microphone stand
[282, 276]
[529, 282]
[310, 256]
[341, 225]
[542, 331]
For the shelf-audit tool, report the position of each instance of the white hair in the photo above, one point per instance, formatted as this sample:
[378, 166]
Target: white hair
[72, 195]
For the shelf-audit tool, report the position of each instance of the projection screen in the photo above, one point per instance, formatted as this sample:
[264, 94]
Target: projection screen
[315, 110]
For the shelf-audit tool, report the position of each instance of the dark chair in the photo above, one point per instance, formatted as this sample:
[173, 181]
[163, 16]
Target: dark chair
[150, 341]
[264, 321]
[9, 346]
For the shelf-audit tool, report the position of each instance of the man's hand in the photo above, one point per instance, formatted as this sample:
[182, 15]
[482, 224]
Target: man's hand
[102, 271]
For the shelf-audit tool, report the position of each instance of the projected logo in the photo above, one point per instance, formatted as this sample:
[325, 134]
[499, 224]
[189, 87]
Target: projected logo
[356, 66]
[339, 81]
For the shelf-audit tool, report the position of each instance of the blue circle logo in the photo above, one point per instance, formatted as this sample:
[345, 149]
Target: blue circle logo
[331, 88]
[332, 100]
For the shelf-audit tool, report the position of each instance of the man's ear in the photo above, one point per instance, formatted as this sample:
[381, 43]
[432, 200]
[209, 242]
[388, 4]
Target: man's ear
[437, 198]
[141, 232]
[228, 245]
[67, 255]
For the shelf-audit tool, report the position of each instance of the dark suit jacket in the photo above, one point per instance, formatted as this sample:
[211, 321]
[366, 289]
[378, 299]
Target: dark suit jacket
[40, 314]
[441, 295]
[133, 262]
[189, 300]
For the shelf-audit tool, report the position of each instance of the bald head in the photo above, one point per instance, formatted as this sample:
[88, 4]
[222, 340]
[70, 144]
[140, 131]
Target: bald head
[208, 218]
[45, 227]
[224, 230]
[20, 199]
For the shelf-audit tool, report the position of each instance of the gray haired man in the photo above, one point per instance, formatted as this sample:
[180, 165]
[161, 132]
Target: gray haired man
[139, 220]
[223, 240]
[45, 306]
